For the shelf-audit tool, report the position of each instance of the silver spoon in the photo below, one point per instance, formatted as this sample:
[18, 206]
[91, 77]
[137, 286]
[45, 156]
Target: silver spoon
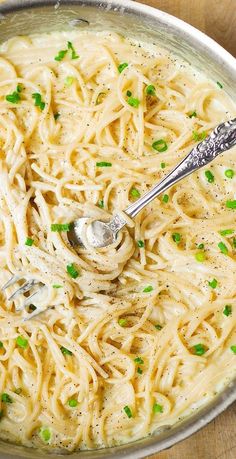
[102, 234]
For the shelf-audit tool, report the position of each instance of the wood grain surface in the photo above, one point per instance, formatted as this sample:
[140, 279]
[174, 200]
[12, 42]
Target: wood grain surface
[217, 18]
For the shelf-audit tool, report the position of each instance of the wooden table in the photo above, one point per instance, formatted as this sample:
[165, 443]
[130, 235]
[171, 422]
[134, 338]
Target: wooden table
[217, 18]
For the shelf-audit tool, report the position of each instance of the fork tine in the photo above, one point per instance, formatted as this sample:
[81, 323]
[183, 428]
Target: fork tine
[29, 299]
[11, 281]
[33, 314]
[25, 288]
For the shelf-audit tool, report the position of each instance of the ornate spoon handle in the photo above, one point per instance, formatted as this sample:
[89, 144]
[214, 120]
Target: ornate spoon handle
[221, 139]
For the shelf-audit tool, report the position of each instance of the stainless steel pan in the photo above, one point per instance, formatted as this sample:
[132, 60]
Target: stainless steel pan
[148, 24]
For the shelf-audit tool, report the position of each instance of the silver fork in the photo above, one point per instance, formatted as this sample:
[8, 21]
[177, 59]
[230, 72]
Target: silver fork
[25, 288]
[102, 234]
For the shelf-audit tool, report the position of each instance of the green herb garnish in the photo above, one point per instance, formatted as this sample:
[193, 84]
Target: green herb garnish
[157, 408]
[163, 165]
[139, 360]
[148, 289]
[133, 102]
[231, 204]
[45, 434]
[56, 116]
[134, 193]
[122, 322]
[128, 411]
[210, 177]
[226, 232]
[65, 351]
[233, 348]
[160, 145]
[199, 349]
[61, 54]
[150, 90]
[72, 49]
[165, 198]
[140, 244]
[223, 248]
[22, 342]
[200, 256]
[199, 135]
[229, 173]
[72, 403]
[60, 227]
[57, 286]
[219, 84]
[38, 100]
[139, 371]
[192, 115]
[176, 237]
[69, 81]
[103, 164]
[29, 241]
[200, 246]
[213, 283]
[122, 67]
[227, 310]
[72, 271]
[1, 345]
[158, 327]
[14, 98]
[6, 398]
[101, 203]
[128, 93]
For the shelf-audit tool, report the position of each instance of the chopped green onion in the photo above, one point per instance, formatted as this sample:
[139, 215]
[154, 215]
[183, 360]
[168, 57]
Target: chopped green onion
[1, 414]
[213, 283]
[234, 242]
[22, 342]
[128, 411]
[60, 55]
[233, 348]
[101, 203]
[223, 248]
[199, 349]
[128, 93]
[56, 116]
[210, 177]
[165, 198]
[133, 102]
[226, 232]
[160, 145]
[227, 310]
[29, 241]
[192, 115]
[150, 90]
[199, 135]
[38, 100]
[219, 84]
[163, 165]
[69, 81]
[1, 345]
[72, 403]
[200, 246]
[148, 289]
[122, 67]
[15, 98]
[176, 237]
[139, 371]
[57, 286]
[45, 434]
[103, 164]
[72, 271]
[100, 98]
[122, 322]
[65, 351]
[6, 398]
[60, 227]
[200, 256]
[73, 52]
[139, 360]
[140, 243]
[229, 173]
[231, 204]
[158, 327]
[157, 408]
[134, 193]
